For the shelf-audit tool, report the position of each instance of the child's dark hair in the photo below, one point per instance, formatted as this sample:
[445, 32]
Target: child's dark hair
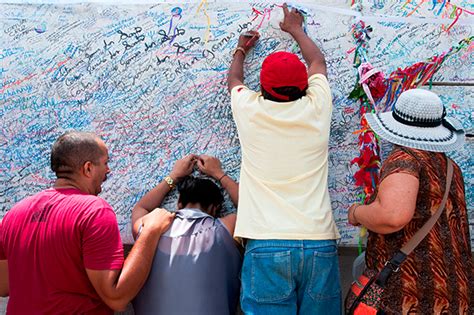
[202, 191]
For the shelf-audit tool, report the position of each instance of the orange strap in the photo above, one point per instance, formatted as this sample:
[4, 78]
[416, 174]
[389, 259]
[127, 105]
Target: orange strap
[356, 288]
[363, 309]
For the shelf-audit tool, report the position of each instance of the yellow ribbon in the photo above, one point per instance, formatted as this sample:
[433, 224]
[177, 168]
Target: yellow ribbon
[208, 31]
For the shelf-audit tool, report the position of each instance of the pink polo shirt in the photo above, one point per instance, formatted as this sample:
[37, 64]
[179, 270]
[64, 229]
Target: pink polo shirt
[49, 240]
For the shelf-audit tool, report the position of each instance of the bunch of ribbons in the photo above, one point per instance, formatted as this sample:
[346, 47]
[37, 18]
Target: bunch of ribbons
[378, 94]
[442, 8]
[370, 87]
[419, 73]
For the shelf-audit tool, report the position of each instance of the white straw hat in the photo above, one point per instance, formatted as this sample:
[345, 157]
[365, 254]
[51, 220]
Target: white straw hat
[418, 121]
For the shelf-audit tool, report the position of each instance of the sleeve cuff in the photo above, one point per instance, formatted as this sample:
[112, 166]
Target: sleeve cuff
[236, 88]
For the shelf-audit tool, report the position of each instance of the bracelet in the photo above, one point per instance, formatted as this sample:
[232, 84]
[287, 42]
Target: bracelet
[140, 229]
[354, 213]
[220, 178]
[241, 50]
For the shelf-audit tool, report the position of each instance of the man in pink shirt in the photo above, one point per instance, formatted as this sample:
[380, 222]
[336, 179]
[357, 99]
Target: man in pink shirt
[61, 248]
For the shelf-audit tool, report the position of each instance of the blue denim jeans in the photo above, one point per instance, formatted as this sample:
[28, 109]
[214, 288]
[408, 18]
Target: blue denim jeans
[291, 277]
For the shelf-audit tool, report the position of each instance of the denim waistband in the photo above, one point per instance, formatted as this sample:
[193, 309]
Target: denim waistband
[251, 244]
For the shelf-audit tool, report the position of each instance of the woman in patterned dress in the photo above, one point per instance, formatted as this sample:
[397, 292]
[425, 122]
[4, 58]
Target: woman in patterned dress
[437, 277]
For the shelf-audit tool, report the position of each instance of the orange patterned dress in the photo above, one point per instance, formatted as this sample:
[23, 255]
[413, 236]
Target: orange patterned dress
[437, 277]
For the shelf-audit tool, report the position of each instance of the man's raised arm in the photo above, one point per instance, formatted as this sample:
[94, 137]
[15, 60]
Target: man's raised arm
[236, 71]
[211, 166]
[154, 197]
[292, 24]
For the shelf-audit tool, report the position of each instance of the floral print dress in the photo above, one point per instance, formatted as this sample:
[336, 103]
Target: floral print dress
[437, 277]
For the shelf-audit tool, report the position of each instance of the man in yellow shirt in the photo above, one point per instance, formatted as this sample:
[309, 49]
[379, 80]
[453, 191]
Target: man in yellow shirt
[290, 264]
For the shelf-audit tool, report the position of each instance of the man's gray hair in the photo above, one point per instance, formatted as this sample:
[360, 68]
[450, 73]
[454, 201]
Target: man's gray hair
[72, 150]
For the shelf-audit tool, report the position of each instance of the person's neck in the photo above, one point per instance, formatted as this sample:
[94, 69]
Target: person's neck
[69, 183]
[197, 205]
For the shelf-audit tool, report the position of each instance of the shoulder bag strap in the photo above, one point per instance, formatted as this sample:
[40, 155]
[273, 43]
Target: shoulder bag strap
[393, 265]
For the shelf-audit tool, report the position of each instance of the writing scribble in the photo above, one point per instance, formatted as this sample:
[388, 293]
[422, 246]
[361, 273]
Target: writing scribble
[41, 28]
[173, 30]
[151, 80]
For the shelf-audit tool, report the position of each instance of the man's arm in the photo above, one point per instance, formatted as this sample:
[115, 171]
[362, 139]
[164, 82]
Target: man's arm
[236, 71]
[154, 197]
[4, 289]
[292, 24]
[118, 287]
[211, 166]
[231, 187]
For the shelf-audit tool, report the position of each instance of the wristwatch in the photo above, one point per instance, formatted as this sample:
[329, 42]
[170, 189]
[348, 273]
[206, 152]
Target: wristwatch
[170, 182]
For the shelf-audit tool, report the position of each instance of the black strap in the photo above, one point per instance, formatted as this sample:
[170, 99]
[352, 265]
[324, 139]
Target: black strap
[391, 266]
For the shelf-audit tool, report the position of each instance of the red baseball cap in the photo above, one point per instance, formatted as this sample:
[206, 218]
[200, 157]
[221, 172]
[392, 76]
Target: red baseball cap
[283, 69]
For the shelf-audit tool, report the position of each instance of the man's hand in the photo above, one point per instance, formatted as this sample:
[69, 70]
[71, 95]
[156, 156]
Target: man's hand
[293, 20]
[210, 166]
[158, 220]
[118, 287]
[183, 167]
[292, 24]
[236, 71]
[248, 40]
[153, 199]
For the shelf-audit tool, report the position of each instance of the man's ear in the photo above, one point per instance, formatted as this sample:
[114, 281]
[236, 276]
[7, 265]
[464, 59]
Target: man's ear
[87, 169]
[180, 205]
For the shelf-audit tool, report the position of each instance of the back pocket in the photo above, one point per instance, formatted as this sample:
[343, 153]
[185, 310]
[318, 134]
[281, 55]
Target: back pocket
[325, 282]
[271, 276]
